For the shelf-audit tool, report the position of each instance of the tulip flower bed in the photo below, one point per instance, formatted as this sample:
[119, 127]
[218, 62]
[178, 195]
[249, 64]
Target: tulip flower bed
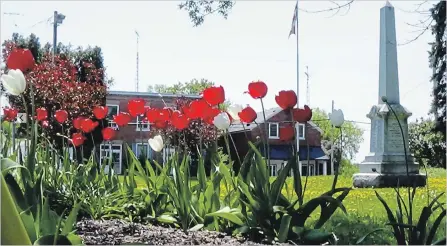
[53, 194]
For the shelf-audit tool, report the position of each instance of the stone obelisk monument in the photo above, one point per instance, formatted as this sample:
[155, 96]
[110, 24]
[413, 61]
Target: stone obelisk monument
[386, 165]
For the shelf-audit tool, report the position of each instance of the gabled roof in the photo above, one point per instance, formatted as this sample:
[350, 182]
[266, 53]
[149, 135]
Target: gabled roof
[237, 126]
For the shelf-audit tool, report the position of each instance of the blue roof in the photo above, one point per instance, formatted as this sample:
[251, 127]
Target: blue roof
[283, 152]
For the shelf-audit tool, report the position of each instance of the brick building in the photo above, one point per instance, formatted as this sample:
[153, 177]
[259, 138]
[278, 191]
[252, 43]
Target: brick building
[281, 151]
[136, 134]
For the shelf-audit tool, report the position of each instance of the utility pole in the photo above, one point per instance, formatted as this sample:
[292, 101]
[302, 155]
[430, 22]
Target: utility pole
[332, 145]
[307, 86]
[137, 79]
[57, 19]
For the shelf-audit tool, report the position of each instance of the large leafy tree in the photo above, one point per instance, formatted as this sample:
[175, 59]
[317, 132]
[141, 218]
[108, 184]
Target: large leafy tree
[438, 64]
[428, 147]
[352, 134]
[73, 80]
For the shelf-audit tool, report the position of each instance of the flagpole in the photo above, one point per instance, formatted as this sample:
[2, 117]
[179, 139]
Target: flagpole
[298, 89]
[297, 59]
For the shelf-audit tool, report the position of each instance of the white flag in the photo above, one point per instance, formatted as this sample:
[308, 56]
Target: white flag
[294, 20]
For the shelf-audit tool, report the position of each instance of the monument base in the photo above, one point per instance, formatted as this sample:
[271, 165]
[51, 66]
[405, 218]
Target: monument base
[376, 180]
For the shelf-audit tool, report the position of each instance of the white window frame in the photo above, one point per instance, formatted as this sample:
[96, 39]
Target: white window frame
[145, 126]
[112, 124]
[273, 170]
[137, 147]
[303, 137]
[167, 153]
[110, 150]
[270, 131]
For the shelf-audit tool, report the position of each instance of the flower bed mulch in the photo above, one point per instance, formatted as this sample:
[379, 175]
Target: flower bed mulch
[113, 232]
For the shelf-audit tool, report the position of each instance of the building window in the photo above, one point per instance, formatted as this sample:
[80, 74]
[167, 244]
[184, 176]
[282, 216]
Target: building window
[111, 154]
[142, 150]
[274, 130]
[272, 170]
[301, 131]
[113, 110]
[142, 125]
[167, 154]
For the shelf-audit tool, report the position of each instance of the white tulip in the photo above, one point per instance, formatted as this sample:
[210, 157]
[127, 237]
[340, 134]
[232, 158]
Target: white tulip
[222, 121]
[14, 82]
[234, 111]
[156, 143]
[337, 118]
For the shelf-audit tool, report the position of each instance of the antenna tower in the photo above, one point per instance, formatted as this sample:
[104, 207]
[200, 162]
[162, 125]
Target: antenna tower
[137, 79]
[307, 86]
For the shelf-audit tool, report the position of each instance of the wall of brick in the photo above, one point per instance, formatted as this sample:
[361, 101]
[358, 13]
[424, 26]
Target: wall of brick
[312, 134]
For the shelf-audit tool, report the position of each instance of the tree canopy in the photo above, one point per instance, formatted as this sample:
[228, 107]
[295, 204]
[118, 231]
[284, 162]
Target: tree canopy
[73, 80]
[352, 134]
[427, 146]
[437, 57]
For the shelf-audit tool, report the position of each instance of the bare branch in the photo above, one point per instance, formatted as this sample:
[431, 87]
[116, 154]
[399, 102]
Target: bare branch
[337, 8]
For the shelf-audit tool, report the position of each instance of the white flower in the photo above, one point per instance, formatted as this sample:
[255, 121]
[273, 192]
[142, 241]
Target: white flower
[222, 121]
[14, 82]
[156, 143]
[234, 111]
[337, 118]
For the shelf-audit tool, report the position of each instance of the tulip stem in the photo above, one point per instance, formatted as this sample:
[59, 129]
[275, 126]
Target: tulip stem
[266, 132]
[234, 145]
[25, 106]
[334, 183]
[300, 192]
[308, 160]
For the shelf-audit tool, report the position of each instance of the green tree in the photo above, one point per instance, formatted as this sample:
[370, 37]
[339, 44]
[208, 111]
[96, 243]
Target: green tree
[192, 87]
[427, 146]
[352, 134]
[437, 57]
[89, 68]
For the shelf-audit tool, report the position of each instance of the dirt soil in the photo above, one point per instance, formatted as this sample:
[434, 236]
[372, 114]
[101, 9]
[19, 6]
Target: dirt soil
[115, 232]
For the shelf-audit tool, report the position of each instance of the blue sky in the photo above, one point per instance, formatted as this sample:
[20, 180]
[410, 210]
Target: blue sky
[340, 51]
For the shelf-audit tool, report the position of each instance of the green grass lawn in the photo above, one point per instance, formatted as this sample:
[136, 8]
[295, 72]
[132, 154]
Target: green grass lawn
[365, 212]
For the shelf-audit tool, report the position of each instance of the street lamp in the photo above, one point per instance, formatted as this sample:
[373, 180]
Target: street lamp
[57, 19]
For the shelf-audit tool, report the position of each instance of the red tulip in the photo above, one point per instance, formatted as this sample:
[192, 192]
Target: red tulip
[77, 139]
[286, 99]
[248, 115]
[161, 124]
[179, 121]
[122, 119]
[209, 114]
[153, 115]
[197, 109]
[10, 114]
[20, 59]
[214, 95]
[88, 125]
[302, 115]
[108, 133]
[42, 114]
[61, 116]
[77, 122]
[136, 107]
[165, 114]
[100, 112]
[286, 133]
[257, 89]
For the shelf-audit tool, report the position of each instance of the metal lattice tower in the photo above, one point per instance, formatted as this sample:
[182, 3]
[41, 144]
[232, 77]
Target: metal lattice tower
[307, 86]
[137, 79]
